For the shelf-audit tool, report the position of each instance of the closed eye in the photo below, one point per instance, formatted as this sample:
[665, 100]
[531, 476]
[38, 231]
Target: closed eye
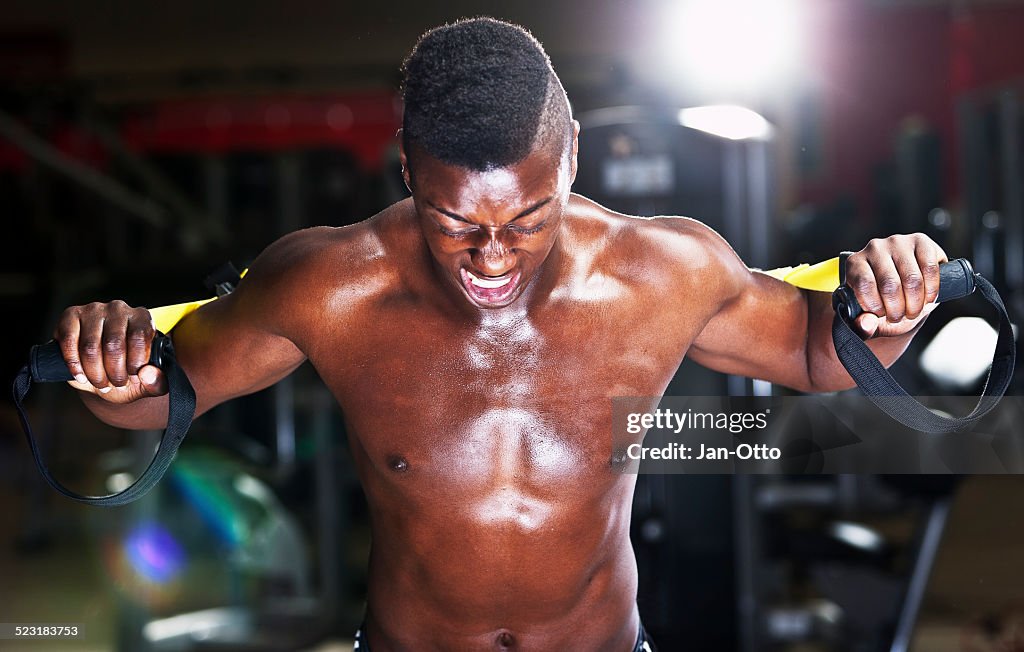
[457, 233]
[520, 230]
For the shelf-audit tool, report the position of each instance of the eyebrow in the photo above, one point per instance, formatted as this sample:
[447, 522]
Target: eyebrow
[533, 208]
[455, 216]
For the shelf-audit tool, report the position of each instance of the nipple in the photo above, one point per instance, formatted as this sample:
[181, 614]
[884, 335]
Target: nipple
[398, 463]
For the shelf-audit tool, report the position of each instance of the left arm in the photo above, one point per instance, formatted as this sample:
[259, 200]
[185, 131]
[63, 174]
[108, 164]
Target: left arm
[765, 328]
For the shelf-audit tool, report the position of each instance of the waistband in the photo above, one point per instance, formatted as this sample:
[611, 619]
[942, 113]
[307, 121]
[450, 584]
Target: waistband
[643, 641]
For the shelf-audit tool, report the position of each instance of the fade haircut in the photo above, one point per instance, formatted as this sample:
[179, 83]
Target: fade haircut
[481, 94]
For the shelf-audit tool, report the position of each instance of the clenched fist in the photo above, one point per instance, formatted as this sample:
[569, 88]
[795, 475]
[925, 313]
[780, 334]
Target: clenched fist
[106, 347]
[896, 281]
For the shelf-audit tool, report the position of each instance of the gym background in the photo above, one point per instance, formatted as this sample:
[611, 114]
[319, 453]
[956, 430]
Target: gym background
[144, 144]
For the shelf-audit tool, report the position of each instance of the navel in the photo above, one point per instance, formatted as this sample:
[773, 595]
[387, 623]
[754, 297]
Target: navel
[506, 640]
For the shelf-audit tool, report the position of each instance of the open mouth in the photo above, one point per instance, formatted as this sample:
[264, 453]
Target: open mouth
[489, 289]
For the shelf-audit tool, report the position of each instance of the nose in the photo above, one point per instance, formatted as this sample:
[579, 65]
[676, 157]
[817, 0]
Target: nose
[493, 258]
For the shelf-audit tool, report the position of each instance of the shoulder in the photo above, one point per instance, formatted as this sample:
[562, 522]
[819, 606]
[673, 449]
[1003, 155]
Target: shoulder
[675, 251]
[308, 271]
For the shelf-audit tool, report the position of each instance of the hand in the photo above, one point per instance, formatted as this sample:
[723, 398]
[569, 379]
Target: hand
[896, 281]
[106, 347]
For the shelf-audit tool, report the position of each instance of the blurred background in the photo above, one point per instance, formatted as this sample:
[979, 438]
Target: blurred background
[144, 144]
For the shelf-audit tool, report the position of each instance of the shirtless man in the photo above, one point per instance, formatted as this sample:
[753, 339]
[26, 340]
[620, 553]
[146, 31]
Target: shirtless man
[474, 335]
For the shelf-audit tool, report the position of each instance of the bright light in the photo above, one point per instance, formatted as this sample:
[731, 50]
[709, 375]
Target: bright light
[117, 482]
[226, 623]
[734, 45]
[727, 121]
[857, 535]
[960, 354]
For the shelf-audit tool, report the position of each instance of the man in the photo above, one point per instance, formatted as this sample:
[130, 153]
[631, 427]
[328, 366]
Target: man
[474, 335]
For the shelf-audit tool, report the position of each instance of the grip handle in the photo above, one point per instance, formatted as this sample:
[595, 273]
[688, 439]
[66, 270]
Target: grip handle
[956, 280]
[46, 361]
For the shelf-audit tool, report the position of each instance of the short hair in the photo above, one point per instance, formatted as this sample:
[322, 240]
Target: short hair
[481, 93]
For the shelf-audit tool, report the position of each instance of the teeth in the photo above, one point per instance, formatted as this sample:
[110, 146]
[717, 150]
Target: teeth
[486, 283]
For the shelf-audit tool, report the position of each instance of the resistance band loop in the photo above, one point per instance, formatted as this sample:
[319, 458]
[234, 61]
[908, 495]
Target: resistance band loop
[957, 279]
[46, 365]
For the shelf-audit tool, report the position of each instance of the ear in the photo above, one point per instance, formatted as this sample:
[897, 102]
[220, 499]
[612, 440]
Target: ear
[573, 162]
[404, 160]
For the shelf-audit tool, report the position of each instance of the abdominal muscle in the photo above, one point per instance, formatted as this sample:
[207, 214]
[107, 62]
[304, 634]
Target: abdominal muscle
[456, 565]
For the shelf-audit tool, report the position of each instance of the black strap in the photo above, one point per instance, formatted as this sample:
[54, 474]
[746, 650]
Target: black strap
[181, 409]
[883, 390]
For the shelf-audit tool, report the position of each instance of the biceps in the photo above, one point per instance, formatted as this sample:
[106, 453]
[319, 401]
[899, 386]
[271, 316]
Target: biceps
[226, 354]
[762, 333]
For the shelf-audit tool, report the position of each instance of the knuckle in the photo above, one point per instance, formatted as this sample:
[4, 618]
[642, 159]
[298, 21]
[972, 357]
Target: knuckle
[144, 319]
[113, 347]
[91, 349]
[138, 336]
[866, 292]
[71, 312]
[889, 287]
[913, 282]
[864, 287]
[63, 336]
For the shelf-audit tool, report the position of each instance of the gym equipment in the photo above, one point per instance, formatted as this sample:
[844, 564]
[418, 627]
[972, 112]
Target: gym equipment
[957, 279]
[46, 364]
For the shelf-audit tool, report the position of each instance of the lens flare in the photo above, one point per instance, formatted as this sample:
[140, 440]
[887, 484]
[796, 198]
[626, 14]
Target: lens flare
[154, 553]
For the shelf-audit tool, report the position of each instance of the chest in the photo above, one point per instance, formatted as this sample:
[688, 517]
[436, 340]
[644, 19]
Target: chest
[422, 360]
[532, 395]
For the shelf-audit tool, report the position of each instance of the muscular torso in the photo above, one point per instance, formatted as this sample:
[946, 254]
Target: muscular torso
[484, 443]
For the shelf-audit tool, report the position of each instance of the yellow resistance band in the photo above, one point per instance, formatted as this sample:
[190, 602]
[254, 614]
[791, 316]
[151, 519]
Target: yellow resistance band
[167, 317]
[820, 277]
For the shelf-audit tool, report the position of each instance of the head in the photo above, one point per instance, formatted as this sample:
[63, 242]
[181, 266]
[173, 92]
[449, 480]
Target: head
[488, 151]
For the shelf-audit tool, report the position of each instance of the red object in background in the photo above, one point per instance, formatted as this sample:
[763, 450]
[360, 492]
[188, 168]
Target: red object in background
[884, 64]
[363, 124]
[962, 37]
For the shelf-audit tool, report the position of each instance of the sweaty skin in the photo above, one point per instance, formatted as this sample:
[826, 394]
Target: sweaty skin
[479, 412]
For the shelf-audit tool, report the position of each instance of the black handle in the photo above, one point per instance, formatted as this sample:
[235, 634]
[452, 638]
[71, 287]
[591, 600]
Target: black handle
[46, 362]
[956, 280]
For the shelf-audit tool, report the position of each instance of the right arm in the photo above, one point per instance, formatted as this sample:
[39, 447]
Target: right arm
[237, 345]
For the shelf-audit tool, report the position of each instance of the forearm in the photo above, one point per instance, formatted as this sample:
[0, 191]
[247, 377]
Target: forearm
[143, 414]
[824, 370]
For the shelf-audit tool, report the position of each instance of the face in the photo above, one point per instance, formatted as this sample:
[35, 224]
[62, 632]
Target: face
[490, 232]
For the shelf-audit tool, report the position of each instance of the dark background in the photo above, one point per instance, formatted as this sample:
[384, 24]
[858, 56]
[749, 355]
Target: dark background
[143, 144]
